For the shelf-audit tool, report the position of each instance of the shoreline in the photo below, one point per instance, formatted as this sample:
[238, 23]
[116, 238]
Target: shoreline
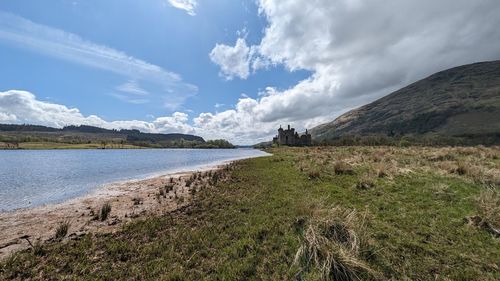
[157, 194]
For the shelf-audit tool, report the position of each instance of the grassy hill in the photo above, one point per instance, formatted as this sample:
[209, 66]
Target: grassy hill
[34, 136]
[459, 103]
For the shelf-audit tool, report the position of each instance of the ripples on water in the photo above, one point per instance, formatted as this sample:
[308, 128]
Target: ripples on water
[30, 178]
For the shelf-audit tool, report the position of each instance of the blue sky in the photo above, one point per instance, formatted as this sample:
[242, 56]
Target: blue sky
[152, 31]
[225, 68]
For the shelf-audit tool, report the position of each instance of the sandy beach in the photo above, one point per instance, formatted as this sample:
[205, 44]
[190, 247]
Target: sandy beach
[129, 200]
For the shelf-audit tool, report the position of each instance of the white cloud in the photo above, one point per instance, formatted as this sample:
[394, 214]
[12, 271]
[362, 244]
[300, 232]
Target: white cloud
[240, 125]
[238, 60]
[357, 51]
[4, 117]
[178, 122]
[22, 107]
[129, 99]
[132, 87]
[233, 61]
[60, 44]
[187, 5]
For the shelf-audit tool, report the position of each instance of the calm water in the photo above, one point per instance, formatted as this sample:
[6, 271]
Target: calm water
[30, 178]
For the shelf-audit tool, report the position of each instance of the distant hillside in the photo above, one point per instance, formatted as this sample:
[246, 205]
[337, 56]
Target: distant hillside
[462, 103]
[14, 134]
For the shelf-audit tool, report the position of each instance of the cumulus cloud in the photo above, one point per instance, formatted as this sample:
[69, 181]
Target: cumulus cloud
[67, 46]
[233, 60]
[238, 60]
[237, 125]
[358, 51]
[5, 117]
[23, 107]
[187, 5]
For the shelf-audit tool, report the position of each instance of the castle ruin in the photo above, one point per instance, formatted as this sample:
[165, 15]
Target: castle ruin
[291, 138]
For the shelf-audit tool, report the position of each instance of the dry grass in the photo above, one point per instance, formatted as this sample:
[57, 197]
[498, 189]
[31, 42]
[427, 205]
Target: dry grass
[365, 181]
[332, 244]
[342, 168]
[315, 174]
[489, 207]
[477, 164]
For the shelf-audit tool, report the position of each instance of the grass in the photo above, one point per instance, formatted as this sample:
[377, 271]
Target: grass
[62, 230]
[268, 219]
[105, 210]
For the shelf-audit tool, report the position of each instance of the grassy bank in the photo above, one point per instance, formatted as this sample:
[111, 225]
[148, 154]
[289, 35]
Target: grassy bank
[307, 213]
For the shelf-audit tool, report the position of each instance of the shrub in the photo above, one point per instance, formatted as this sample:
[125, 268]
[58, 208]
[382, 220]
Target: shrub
[404, 142]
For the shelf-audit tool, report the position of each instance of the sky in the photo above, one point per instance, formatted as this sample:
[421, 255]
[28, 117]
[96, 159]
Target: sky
[226, 68]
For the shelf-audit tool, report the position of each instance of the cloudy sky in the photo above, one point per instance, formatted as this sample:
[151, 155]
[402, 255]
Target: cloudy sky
[226, 68]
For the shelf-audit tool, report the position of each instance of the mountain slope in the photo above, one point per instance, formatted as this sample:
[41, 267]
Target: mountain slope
[459, 102]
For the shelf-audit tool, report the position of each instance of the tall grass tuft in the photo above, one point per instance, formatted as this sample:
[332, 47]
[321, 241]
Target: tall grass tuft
[62, 230]
[332, 244]
[314, 174]
[105, 210]
[489, 207]
[342, 168]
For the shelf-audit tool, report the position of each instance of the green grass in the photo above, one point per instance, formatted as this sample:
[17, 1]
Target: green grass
[251, 225]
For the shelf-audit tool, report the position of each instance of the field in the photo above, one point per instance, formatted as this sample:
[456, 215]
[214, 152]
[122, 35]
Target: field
[321, 213]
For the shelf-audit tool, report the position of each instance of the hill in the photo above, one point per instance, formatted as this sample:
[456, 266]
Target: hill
[12, 135]
[461, 104]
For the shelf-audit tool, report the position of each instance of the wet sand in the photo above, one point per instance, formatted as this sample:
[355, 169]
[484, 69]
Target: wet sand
[129, 200]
